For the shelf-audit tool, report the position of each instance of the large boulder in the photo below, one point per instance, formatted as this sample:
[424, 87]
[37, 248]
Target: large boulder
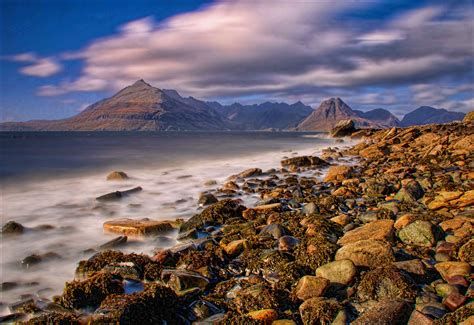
[369, 253]
[343, 128]
[379, 229]
[420, 233]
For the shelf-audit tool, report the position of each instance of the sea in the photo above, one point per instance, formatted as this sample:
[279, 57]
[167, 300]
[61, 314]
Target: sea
[50, 181]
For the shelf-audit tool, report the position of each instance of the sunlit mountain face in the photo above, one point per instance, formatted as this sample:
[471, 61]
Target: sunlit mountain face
[374, 54]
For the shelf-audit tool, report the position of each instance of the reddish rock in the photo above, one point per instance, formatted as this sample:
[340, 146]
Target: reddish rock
[454, 300]
[137, 228]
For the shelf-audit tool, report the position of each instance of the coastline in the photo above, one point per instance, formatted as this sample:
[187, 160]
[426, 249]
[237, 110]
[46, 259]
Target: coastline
[382, 240]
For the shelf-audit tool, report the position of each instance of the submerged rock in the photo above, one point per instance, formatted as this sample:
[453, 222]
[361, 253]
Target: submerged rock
[117, 176]
[12, 228]
[118, 194]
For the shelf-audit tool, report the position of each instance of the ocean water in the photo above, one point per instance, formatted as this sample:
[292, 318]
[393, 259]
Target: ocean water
[53, 179]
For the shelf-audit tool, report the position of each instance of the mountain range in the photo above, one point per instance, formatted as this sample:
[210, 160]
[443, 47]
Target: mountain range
[141, 107]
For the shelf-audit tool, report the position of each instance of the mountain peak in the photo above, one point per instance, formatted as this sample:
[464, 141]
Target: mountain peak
[141, 82]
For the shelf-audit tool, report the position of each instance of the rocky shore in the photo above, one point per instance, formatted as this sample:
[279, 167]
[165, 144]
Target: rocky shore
[384, 237]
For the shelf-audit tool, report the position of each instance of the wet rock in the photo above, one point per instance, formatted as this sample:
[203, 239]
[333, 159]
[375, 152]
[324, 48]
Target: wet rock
[234, 248]
[274, 230]
[251, 172]
[31, 260]
[452, 269]
[343, 128]
[206, 199]
[369, 253]
[386, 312]
[287, 243]
[114, 243]
[420, 233]
[265, 316]
[310, 287]
[203, 309]
[210, 183]
[418, 318]
[118, 194]
[414, 266]
[137, 228]
[310, 208]
[126, 270]
[338, 173]
[466, 252]
[6, 286]
[90, 292]
[55, 317]
[321, 309]
[403, 221]
[252, 213]
[13, 318]
[216, 214]
[157, 304]
[231, 185]
[454, 300]
[303, 161]
[284, 322]
[12, 228]
[190, 234]
[117, 176]
[182, 281]
[379, 229]
[255, 297]
[338, 272]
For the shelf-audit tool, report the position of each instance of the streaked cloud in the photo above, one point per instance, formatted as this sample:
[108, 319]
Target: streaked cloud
[308, 48]
[37, 66]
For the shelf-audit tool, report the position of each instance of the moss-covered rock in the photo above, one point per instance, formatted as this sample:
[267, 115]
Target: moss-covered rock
[54, 318]
[90, 292]
[216, 214]
[385, 282]
[319, 310]
[157, 304]
[109, 257]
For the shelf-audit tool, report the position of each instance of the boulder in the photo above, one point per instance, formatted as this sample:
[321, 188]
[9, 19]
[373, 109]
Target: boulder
[310, 287]
[12, 228]
[343, 128]
[303, 161]
[420, 233]
[379, 229]
[137, 228]
[338, 173]
[469, 117]
[183, 281]
[452, 269]
[385, 282]
[386, 312]
[369, 253]
[274, 230]
[251, 172]
[206, 199]
[117, 176]
[339, 272]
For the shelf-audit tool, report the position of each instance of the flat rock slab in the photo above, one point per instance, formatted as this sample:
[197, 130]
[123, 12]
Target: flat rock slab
[368, 253]
[379, 229]
[137, 228]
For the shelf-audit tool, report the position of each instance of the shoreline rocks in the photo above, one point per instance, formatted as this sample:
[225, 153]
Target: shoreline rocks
[387, 241]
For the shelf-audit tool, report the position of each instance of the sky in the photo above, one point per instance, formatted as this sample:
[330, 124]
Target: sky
[59, 56]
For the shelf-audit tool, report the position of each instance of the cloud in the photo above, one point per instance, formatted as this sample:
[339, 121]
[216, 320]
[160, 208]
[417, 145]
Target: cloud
[240, 48]
[38, 67]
